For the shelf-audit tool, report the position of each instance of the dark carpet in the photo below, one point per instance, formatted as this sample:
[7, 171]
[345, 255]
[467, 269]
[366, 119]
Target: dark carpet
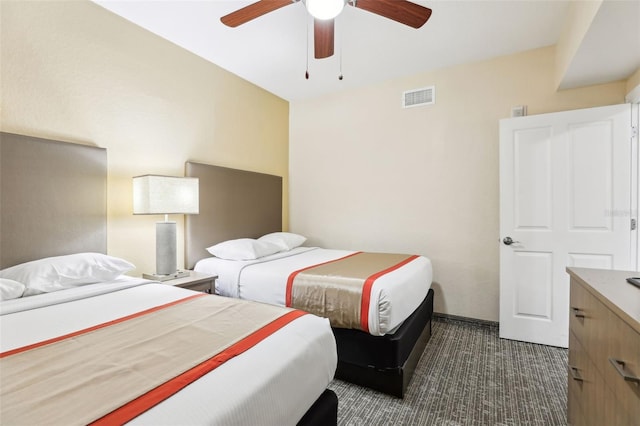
[468, 376]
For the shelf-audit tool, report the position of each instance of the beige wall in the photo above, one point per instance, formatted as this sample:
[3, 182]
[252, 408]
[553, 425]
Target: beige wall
[366, 174]
[73, 71]
[633, 82]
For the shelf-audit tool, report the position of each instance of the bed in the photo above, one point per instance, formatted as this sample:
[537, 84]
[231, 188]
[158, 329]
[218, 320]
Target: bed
[239, 205]
[250, 377]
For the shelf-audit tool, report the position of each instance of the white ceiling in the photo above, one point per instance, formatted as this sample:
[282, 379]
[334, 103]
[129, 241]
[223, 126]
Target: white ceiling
[271, 51]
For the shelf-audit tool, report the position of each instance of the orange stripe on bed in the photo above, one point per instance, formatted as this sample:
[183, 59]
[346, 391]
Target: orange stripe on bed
[143, 403]
[97, 327]
[293, 275]
[366, 291]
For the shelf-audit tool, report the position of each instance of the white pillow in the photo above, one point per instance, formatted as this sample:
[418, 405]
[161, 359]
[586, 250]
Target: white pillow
[243, 249]
[10, 289]
[60, 272]
[285, 240]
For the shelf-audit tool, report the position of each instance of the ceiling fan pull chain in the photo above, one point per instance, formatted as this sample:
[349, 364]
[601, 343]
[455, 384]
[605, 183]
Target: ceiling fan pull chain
[340, 41]
[306, 74]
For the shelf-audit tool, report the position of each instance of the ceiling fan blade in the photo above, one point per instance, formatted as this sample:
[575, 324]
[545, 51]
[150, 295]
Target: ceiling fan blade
[253, 11]
[405, 12]
[323, 32]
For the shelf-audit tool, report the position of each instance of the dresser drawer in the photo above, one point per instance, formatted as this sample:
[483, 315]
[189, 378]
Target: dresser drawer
[623, 358]
[575, 415]
[589, 395]
[585, 386]
[577, 311]
[575, 384]
[589, 323]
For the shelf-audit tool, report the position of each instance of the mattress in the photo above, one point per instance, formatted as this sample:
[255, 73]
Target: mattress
[259, 386]
[394, 296]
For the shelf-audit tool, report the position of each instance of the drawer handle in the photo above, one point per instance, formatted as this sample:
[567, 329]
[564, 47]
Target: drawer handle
[619, 366]
[577, 312]
[574, 373]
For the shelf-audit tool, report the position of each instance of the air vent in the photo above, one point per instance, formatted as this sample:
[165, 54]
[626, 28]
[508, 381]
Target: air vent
[419, 97]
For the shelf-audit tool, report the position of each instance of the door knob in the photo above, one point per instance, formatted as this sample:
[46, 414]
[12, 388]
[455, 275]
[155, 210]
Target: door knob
[508, 241]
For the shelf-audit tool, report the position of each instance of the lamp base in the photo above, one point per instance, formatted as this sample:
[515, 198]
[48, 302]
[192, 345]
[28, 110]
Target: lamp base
[157, 277]
[166, 248]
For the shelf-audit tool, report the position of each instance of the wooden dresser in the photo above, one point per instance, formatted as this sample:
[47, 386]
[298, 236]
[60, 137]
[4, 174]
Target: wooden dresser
[604, 348]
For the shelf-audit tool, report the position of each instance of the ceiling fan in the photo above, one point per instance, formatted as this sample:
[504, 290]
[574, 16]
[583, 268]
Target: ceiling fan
[324, 12]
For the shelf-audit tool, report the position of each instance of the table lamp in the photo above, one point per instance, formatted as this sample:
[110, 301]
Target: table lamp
[154, 194]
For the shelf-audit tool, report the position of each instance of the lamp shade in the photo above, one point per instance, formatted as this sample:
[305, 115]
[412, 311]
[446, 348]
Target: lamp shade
[153, 194]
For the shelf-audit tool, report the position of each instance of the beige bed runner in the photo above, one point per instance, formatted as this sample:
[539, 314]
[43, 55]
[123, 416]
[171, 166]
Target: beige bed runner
[82, 377]
[341, 289]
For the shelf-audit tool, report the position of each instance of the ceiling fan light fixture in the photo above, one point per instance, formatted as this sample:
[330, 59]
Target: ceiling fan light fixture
[324, 9]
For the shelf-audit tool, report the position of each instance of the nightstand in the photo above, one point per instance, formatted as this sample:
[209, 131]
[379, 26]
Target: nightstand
[196, 281]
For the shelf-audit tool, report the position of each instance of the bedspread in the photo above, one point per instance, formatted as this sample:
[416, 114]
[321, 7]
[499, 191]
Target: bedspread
[259, 385]
[341, 289]
[393, 297]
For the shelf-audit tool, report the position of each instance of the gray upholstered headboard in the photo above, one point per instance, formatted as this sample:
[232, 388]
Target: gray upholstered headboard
[53, 199]
[233, 204]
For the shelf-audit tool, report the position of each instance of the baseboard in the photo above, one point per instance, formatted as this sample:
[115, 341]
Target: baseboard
[455, 318]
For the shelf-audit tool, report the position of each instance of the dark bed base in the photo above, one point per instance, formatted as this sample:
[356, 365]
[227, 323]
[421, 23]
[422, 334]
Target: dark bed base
[385, 363]
[323, 412]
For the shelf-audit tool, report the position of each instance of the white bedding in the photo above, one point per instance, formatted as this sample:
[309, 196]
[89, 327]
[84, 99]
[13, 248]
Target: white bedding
[273, 383]
[394, 296]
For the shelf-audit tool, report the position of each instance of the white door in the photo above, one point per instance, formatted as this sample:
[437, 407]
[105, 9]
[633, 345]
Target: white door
[565, 200]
